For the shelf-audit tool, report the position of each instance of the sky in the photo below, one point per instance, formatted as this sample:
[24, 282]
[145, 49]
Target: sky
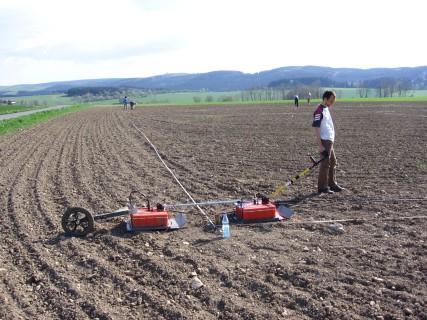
[55, 40]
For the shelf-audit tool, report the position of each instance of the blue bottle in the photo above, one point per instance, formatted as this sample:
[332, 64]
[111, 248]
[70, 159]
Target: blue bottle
[225, 227]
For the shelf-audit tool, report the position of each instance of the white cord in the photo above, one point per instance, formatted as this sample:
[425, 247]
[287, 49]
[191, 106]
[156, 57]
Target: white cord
[289, 222]
[174, 176]
[354, 220]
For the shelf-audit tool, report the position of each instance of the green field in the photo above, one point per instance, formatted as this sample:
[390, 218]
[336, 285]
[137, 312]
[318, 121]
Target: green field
[11, 125]
[43, 100]
[343, 94]
[349, 93]
[5, 109]
[198, 97]
[181, 98]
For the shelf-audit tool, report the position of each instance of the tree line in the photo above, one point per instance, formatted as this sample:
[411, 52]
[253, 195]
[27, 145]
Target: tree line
[88, 94]
[385, 87]
[287, 89]
[95, 91]
[283, 93]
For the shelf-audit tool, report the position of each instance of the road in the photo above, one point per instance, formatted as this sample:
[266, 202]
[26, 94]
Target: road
[26, 113]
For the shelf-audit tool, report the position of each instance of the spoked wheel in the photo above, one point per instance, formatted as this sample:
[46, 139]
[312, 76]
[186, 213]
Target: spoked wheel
[77, 221]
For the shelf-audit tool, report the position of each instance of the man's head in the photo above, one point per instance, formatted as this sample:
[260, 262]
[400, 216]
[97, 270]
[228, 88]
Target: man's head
[329, 98]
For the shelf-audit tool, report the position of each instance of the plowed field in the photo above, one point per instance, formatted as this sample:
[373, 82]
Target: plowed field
[376, 269]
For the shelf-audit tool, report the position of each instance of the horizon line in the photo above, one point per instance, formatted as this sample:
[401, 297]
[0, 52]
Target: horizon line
[212, 71]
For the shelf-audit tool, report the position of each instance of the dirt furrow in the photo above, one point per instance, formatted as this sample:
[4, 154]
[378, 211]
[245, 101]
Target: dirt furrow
[24, 252]
[11, 301]
[63, 282]
[158, 268]
[69, 259]
[94, 158]
[80, 253]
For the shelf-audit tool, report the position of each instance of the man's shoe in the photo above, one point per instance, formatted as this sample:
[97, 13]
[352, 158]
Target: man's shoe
[326, 190]
[336, 188]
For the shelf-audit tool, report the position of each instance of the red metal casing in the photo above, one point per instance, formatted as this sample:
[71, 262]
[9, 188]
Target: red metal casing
[251, 212]
[149, 218]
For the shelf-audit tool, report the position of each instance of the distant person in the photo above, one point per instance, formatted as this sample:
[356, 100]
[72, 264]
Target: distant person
[132, 104]
[296, 101]
[309, 97]
[325, 137]
[125, 103]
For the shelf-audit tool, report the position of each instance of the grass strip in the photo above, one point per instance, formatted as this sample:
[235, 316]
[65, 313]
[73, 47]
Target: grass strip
[6, 109]
[291, 102]
[12, 125]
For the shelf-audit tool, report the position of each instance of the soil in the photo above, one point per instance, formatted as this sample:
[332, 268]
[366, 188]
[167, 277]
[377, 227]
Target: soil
[375, 269]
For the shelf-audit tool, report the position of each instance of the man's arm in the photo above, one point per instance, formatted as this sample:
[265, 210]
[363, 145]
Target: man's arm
[332, 113]
[317, 120]
[318, 139]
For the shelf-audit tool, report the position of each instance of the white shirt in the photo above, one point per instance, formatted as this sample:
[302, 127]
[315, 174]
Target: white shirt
[322, 119]
[327, 130]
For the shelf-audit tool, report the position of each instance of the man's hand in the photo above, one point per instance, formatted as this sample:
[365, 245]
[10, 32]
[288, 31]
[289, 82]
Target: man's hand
[322, 149]
[325, 153]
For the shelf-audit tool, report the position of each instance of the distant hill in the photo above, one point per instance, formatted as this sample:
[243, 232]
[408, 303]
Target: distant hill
[234, 80]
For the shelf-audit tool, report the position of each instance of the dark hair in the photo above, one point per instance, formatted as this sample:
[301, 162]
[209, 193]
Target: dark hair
[327, 94]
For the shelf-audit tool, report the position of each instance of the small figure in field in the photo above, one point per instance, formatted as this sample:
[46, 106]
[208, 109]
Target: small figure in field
[309, 97]
[132, 104]
[125, 103]
[296, 100]
[325, 137]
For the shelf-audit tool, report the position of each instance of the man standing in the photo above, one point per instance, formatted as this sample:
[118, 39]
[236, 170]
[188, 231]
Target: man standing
[296, 100]
[125, 103]
[309, 97]
[325, 136]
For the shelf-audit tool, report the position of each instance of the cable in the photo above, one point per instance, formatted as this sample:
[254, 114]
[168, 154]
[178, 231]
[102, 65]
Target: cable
[175, 177]
[206, 203]
[289, 222]
[298, 201]
[355, 220]
[391, 199]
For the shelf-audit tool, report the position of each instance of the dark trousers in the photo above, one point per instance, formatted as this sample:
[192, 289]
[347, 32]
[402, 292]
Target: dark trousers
[296, 103]
[327, 167]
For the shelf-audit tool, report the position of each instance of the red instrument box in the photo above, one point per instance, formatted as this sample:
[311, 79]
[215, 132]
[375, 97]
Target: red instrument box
[250, 211]
[149, 218]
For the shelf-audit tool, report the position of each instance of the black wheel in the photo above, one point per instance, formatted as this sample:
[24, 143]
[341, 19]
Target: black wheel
[77, 221]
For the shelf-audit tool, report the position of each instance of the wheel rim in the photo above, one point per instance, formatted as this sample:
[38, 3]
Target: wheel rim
[77, 221]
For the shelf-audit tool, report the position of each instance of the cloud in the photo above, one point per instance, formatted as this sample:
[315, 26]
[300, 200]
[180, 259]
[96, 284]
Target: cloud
[48, 40]
[79, 30]
[13, 29]
[96, 52]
